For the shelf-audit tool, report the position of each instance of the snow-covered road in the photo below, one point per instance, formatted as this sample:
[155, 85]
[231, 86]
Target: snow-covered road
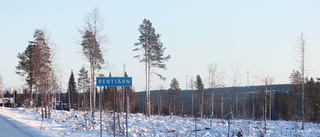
[16, 124]
[9, 129]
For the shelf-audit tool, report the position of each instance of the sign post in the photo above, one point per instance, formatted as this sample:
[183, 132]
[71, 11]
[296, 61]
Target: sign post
[114, 82]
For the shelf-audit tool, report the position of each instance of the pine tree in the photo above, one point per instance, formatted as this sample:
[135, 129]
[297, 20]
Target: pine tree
[91, 41]
[34, 64]
[42, 62]
[215, 81]
[25, 68]
[152, 54]
[91, 49]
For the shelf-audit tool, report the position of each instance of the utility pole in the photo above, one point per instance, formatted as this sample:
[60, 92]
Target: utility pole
[127, 111]
[186, 82]
[100, 112]
[191, 85]
[114, 111]
[248, 84]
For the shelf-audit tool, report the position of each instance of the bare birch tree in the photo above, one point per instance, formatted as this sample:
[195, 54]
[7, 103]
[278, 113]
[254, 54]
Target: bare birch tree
[301, 46]
[267, 80]
[235, 81]
[215, 81]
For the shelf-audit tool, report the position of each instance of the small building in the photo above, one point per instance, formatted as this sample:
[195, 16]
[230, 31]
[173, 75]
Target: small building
[29, 102]
[57, 105]
[6, 102]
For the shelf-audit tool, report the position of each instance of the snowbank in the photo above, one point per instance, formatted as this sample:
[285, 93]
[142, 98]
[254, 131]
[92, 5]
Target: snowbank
[73, 123]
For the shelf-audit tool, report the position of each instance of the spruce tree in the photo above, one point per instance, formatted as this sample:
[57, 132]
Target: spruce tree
[72, 91]
[295, 94]
[83, 83]
[174, 94]
[108, 97]
[200, 87]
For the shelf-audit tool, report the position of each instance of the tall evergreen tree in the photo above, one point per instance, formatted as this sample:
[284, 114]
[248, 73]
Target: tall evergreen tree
[25, 68]
[281, 106]
[108, 97]
[152, 54]
[174, 94]
[34, 63]
[91, 49]
[312, 98]
[42, 63]
[250, 104]
[83, 82]
[72, 91]
[259, 104]
[200, 87]
[295, 95]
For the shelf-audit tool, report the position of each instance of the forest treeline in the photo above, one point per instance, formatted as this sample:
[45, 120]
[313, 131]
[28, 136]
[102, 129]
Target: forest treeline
[285, 101]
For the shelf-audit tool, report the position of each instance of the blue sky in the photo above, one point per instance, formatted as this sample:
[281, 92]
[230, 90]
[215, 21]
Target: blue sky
[256, 35]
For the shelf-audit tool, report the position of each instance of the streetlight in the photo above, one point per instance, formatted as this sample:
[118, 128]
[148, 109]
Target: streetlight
[186, 82]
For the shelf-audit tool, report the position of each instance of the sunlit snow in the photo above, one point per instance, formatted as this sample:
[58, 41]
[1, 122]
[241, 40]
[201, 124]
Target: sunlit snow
[72, 123]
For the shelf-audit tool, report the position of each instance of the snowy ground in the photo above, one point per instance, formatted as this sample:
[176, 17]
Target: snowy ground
[65, 123]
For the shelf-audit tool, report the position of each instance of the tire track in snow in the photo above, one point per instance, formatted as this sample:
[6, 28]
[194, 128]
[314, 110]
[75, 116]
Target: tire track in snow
[9, 129]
